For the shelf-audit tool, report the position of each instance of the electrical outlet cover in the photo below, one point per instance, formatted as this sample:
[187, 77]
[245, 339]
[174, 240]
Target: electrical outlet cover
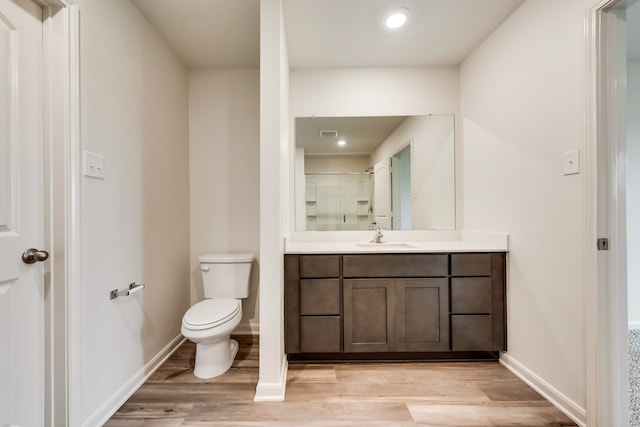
[572, 162]
[93, 165]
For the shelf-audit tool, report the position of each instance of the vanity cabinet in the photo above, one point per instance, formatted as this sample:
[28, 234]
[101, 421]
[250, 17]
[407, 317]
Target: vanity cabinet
[382, 315]
[478, 302]
[313, 298]
[384, 304]
[395, 302]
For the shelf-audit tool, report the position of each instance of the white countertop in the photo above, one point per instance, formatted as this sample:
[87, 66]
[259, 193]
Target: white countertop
[396, 242]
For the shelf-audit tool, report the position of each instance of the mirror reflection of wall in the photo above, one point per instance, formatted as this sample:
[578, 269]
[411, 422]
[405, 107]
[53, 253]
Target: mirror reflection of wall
[416, 192]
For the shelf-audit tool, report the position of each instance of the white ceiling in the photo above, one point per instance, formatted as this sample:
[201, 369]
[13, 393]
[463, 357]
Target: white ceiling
[208, 33]
[363, 134]
[350, 33]
[327, 33]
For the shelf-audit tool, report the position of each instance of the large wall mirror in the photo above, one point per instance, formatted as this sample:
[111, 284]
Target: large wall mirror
[358, 173]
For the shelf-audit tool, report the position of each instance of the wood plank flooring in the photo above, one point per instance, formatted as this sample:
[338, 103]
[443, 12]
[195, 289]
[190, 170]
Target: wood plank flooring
[345, 394]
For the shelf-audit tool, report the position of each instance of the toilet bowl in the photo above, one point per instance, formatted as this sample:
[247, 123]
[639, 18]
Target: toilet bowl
[210, 322]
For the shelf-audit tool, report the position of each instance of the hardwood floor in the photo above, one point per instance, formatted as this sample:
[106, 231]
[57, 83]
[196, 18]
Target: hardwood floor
[346, 394]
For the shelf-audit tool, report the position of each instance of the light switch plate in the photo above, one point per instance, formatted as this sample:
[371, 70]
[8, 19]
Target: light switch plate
[93, 165]
[572, 162]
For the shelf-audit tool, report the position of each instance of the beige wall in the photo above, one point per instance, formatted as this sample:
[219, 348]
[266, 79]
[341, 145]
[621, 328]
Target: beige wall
[522, 103]
[224, 167]
[374, 91]
[344, 164]
[135, 222]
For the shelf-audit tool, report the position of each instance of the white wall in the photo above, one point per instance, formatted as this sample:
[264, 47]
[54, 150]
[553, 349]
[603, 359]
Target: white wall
[373, 91]
[135, 222]
[224, 169]
[633, 192]
[522, 102]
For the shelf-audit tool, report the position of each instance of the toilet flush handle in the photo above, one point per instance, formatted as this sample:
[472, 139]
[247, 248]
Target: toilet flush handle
[205, 268]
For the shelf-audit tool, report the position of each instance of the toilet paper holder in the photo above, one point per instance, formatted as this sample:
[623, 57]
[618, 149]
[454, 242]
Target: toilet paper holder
[133, 288]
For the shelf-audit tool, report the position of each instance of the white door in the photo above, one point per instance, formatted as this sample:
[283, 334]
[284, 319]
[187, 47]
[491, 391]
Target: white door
[382, 194]
[21, 215]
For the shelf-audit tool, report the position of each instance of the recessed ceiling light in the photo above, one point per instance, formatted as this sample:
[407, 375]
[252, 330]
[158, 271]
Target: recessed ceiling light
[397, 18]
[342, 142]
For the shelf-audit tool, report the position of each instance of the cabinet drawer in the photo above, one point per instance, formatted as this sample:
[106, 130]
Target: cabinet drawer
[395, 265]
[471, 295]
[471, 264]
[319, 296]
[320, 334]
[472, 333]
[320, 266]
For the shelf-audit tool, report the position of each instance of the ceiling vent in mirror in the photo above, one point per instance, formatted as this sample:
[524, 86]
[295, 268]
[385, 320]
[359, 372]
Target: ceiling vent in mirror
[329, 133]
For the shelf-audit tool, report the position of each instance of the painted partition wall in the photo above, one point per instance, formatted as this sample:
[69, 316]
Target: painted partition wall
[276, 172]
[522, 101]
[135, 222]
[633, 192]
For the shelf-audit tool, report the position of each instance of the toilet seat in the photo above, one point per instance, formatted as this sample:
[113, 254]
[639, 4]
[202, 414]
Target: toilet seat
[211, 313]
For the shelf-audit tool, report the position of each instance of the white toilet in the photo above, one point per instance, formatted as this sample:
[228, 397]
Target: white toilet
[210, 322]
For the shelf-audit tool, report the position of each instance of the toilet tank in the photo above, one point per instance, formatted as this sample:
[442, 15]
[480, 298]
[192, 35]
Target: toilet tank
[226, 275]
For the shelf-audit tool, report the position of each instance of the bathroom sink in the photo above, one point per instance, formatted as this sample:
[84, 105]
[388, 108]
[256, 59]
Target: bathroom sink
[386, 245]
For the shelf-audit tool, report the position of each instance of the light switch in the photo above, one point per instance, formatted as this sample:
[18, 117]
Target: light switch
[93, 165]
[572, 162]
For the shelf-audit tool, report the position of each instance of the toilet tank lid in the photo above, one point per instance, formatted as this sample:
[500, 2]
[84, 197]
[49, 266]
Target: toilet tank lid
[225, 258]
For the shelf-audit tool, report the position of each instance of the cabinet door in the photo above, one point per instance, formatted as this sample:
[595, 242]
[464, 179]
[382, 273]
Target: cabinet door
[320, 334]
[422, 311]
[472, 333]
[369, 315]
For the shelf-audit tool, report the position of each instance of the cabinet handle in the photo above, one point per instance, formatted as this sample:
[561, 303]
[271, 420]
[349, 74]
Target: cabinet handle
[344, 218]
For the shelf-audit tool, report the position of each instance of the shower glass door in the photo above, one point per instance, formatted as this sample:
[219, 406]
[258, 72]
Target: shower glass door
[338, 202]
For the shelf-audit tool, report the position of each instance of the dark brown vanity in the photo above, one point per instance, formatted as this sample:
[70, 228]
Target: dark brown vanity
[395, 306]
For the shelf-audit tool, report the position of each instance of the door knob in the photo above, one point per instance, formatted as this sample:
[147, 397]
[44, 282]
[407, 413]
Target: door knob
[32, 255]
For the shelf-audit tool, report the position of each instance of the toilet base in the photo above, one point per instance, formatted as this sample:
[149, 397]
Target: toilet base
[215, 359]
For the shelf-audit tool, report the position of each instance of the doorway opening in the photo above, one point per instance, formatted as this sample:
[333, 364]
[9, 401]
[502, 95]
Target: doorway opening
[401, 189]
[632, 201]
[614, 129]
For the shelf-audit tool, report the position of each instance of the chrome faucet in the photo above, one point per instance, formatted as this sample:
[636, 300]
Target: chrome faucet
[377, 237]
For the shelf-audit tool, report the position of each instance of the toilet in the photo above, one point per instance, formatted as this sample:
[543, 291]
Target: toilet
[210, 322]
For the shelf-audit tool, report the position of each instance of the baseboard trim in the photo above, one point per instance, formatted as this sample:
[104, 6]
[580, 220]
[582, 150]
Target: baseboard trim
[106, 411]
[555, 397]
[273, 392]
[634, 325]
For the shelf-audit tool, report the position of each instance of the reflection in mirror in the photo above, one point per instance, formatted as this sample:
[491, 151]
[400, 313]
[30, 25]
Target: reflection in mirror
[401, 189]
[357, 173]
